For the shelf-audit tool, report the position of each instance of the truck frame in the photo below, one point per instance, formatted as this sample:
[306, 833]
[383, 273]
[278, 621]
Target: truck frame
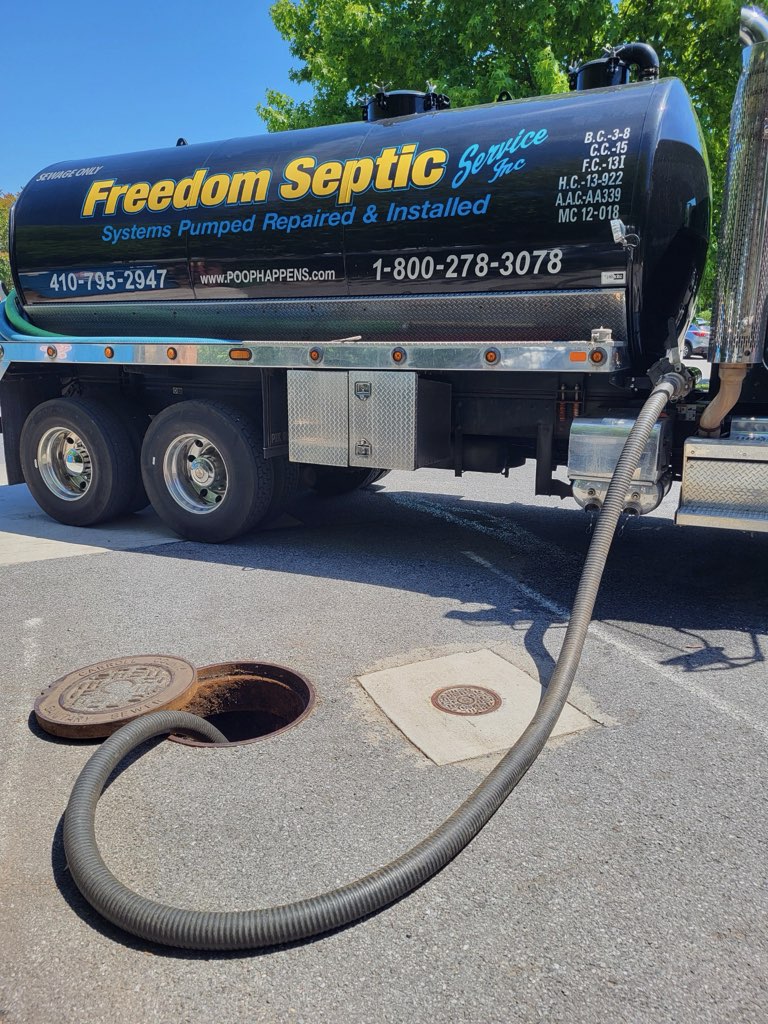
[219, 434]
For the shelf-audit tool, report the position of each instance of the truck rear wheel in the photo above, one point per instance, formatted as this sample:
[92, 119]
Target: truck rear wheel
[137, 420]
[287, 485]
[80, 461]
[204, 471]
[330, 481]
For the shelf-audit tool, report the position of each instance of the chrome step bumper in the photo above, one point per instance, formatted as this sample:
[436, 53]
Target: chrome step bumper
[725, 484]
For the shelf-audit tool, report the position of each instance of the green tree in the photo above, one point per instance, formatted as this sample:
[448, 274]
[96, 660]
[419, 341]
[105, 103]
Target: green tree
[471, 50]
[697, 42]
[7, 200]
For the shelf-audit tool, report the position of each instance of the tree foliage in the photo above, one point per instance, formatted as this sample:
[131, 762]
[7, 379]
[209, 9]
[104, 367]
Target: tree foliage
[473, 51]
[7, 200]
[698, 42]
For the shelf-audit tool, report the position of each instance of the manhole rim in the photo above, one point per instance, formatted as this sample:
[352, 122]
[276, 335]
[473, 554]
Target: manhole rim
[496, 697]
[208, 672]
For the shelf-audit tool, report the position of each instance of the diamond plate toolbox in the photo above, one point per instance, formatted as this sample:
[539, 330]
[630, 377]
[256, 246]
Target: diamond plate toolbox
[397, 420]
[725, 484]
[381, 419]
[318, 417]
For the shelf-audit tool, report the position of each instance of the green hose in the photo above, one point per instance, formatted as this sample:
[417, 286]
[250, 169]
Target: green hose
[20, 323]
[251, 929]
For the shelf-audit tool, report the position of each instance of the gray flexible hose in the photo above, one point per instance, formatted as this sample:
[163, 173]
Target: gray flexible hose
[250, 929]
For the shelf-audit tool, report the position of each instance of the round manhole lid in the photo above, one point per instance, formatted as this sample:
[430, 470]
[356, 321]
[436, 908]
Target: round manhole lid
[466, 700]
[96, 700]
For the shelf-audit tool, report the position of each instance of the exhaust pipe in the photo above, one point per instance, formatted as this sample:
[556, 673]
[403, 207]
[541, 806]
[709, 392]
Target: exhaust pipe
[740, 316]
[754, 26]
[741, 291]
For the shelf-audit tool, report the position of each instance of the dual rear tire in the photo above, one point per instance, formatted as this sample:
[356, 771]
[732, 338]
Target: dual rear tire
[80, 459]
[205, 473]
[329, 481]
[200, 464]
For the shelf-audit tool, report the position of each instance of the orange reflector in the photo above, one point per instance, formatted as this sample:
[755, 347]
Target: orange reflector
[315, 354]
[171, 353]
[51, 351]
[597, 355]
[244, 354]
[578, 357]
[491, 356]
[109, 352]
[398, 355]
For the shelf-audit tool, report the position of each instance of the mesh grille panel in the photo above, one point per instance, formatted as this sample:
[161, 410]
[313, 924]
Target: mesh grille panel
[520, 316]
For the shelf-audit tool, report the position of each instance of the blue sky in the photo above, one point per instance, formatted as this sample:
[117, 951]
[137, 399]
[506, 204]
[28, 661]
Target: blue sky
[87, 78]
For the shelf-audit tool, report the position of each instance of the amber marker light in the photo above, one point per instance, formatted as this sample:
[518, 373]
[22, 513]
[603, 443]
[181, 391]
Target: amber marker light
[242, 354]
[109, 352]
[399, 355]
[171, 353]
[597, 355]
[51, 352]
[316, 354]
[491, 356]
[578, 357]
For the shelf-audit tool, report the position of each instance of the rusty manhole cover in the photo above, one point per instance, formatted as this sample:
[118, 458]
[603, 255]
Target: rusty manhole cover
[466, 700]
[96, 700]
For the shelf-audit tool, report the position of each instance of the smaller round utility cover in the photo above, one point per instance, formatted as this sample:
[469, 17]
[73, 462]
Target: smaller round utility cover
[96, 700]
[466, 700]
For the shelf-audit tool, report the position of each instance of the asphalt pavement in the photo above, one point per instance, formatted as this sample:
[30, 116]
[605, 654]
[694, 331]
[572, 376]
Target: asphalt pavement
[625, 879]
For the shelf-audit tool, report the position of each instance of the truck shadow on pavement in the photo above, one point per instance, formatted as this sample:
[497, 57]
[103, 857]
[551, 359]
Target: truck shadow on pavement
[505, 564]
[517, 566]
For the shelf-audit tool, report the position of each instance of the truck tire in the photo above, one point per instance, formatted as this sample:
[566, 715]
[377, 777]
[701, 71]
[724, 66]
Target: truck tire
[204, 471]
[80, 460]
[330, 481]
[287, 485]
[137, 420]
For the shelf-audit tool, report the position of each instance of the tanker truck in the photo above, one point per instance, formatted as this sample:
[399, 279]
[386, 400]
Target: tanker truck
[207, 328]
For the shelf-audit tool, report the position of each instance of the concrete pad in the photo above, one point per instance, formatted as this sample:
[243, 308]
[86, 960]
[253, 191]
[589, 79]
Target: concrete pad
[404, 695]
[27, 534]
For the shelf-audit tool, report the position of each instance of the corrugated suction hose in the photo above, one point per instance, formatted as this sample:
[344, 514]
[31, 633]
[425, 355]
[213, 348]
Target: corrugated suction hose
[250, 929]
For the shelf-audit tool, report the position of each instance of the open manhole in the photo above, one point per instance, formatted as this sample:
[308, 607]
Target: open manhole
[248, 700]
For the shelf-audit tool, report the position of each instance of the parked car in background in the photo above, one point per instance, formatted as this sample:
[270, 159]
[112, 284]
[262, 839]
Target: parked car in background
[696, 342]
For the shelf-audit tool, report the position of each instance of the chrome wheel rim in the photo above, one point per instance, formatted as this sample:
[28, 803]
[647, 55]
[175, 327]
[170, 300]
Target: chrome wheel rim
[195, 474]
[64, 463]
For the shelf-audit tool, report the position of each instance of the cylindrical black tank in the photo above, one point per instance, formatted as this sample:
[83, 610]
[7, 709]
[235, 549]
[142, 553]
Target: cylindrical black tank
[490, 222]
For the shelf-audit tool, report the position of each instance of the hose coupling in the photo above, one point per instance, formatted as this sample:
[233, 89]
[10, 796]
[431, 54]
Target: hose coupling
[681, 380]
